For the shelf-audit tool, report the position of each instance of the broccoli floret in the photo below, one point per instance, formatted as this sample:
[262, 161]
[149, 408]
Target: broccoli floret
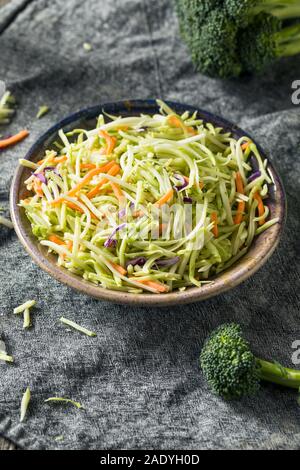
[230, 37]
[231, 369]
[242, 11]
[264, 41]
[194, 12]
[214, 46]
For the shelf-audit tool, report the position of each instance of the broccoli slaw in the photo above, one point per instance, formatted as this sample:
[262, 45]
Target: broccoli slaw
[148, 203]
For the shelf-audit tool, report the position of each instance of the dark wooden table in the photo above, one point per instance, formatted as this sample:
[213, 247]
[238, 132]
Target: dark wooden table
[4, 444]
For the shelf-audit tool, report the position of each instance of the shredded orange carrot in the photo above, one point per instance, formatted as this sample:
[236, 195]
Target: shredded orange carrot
[87, 166]
[37, 186]
[118, 268]
[114, 170]
[162, 227]
[239, 183]
[117, 191]
[245, 145]
[14, 139]
[260, 207]
[89, 176]
[55, 239]
[85, 180]
[154, 284]
[164, 199]
[74, 206]
[239, 215]
[61, 159]
[138, 214]
[110, 143]
[68, 244]
[214, 218]
[175, 121]
[241, 205]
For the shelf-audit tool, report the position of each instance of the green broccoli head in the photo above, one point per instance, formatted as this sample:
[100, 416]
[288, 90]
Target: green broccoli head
[214, 47]
[228, 364]
[259, 43]
[194, 12]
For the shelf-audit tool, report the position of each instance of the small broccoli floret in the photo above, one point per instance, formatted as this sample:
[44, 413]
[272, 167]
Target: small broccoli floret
[228, 364]
[214, 46]
[231, 369]
[264, 41]
[194, 12]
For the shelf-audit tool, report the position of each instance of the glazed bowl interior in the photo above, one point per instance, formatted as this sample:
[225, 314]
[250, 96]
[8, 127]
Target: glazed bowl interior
[261, 249]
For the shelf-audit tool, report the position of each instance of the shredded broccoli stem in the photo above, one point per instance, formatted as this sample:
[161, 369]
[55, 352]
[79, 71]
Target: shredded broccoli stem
[23, 307]
[26, 323]
[6, 222]
[64, 400]
[77, 327]
[5, 357]
[24, 404]
[6, 110]
[147, 203]
[42, 111]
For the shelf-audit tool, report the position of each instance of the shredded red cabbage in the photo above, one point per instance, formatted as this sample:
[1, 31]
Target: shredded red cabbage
[188, 200]
[254, 175]
[111, 241]
[183, 182]
[41, 177]
[140, 261]
[167, 262]
[122, 212]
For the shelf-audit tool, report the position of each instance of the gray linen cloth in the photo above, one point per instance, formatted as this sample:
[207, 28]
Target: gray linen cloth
[139, 380]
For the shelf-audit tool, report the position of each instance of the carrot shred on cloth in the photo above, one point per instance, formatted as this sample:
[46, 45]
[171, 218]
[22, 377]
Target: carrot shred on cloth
[14, 139]
[241, 205]
[260, 207]
[214, 218]
[114, 170]
[110, 143]
[165, 198]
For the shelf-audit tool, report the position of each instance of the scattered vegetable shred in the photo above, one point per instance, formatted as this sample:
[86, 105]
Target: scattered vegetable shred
[77, 327]
[24, 404]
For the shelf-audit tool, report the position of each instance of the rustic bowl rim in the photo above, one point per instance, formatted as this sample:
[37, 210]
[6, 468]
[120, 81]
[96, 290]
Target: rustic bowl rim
[261, 250]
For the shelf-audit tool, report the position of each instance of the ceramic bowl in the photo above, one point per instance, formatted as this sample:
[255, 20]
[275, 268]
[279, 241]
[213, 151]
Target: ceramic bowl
[261, 249]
